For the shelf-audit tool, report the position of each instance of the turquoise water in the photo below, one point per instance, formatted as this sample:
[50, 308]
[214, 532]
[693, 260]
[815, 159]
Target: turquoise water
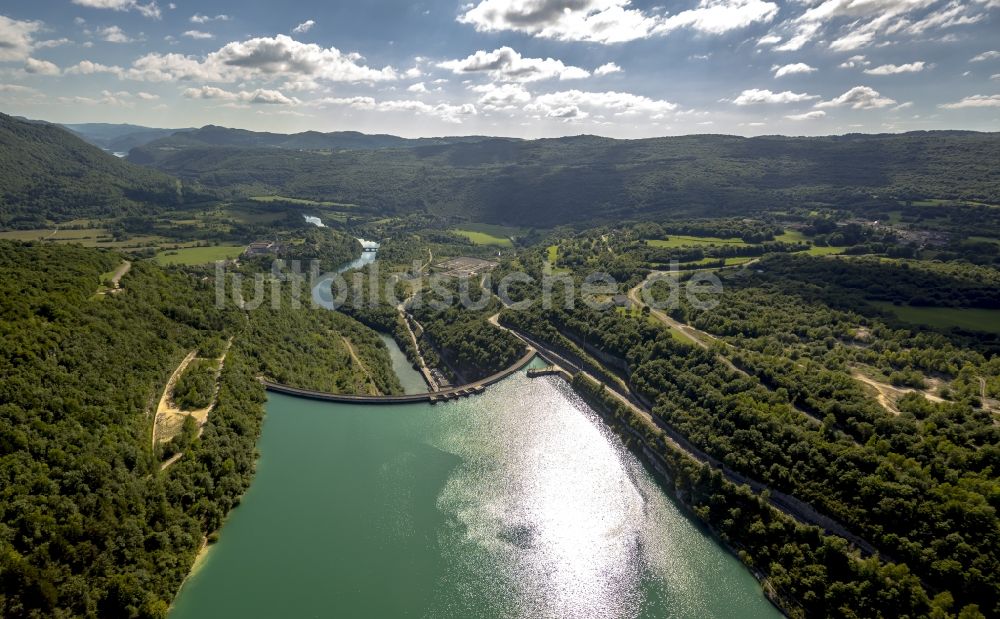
[411, 379]
[515, 503]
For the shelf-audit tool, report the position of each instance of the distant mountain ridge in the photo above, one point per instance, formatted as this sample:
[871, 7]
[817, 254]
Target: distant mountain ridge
[549, 182]
[214, 135]
[117, 138]
[49, 174]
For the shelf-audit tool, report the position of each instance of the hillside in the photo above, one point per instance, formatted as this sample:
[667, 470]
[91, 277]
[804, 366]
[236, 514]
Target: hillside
[552, 181]
[116, 138]
[49, 174]
[212, 135]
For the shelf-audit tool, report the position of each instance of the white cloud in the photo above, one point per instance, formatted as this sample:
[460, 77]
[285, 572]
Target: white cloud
[859, 98]
[418, 87]
[52, 43]
[86, 67]
[720, 16]
[791, 69]
[507, 65]
[973, 101]
[145, 96]
[854, 24]
[305, 26]
[17, 88]
[121, 98]
[268, 58]
[146, 10]
[198, 34]
[502, 96]
[610, 21]
[955, 13]
[855, 61]
[770, 39]
[893, 69]
[607, 69]
[113, 34]
[813, 115]
[261, 96]
[16, 38]
[444, 111]
[576, 104]
[756, 96]
[198, 18]
[990, 55]
[40, 67]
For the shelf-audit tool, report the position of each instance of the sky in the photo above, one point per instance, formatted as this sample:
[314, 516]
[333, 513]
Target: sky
[521, 68]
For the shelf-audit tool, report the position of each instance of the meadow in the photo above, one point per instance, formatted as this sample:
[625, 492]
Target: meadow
[484, 238]
[198, 255]
[973, 319]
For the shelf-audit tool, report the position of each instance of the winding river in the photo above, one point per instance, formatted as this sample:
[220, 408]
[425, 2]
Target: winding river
[515, 503]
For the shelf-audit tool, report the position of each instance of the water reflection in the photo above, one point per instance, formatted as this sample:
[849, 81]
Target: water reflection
[569, 519]
[518, 503]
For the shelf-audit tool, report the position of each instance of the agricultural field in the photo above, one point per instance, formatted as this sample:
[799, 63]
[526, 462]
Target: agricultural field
[825, 251]
[301, 201]
[982, 239]
[87, 237]
[198, 255]
[792, 236]
[253, 216]
[974, 319]
[484, 238]
[729, 262]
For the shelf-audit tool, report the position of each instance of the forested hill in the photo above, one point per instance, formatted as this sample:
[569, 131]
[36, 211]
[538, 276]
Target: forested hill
[118, 138]
[212, 135]
[49, 174]
[554, 181]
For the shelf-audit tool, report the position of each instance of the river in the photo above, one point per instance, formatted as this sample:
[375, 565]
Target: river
[515, 503]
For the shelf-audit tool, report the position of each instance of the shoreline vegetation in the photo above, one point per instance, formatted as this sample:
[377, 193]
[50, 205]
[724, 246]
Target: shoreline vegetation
[851, 364]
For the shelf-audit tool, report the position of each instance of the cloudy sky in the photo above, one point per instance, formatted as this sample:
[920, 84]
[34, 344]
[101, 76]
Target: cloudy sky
[527, 68]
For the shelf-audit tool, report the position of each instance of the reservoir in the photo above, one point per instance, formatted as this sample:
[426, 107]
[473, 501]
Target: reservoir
[515, 503]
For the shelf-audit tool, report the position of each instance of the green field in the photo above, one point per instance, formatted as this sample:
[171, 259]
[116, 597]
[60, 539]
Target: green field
[198, 255]
[791, 236]
[729, 262]
[825, 251]
[688, 241]
[495, 230]
[982, 239]
[87, 237]
[301, 201]
[484, 238]
[895, 217]
[974, 319]
[249, 216]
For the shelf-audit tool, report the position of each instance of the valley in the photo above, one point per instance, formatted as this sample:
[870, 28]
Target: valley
[823, 430]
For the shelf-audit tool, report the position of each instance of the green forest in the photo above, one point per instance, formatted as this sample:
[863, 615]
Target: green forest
[89, 524]
[833, 417]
